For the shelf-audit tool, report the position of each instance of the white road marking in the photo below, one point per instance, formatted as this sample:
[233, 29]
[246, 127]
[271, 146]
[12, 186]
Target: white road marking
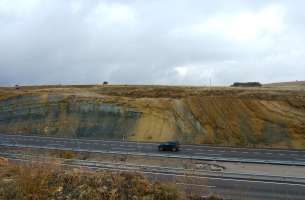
[198, 185]
[119, 148]
[60, 145]
[203, 154]
[300, 159]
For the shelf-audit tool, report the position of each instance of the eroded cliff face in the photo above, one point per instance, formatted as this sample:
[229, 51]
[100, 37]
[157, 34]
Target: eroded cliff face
[235, 117]
[61, 115]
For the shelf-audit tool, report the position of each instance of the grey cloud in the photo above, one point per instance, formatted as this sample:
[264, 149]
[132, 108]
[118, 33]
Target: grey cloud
[134, 42]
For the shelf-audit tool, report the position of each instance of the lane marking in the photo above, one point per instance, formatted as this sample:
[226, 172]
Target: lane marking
[60, 145]
[299, 159]
[198, 185]
[202, 154]
[118, 148]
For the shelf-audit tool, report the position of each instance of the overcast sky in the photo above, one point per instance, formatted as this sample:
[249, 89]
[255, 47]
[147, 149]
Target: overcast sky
[151, 42]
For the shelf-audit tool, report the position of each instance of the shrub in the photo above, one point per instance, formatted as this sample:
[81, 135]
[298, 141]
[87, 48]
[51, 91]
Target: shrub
[45, 181]
[48, 181]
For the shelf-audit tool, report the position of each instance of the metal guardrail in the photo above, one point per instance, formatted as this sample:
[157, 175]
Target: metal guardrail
[168, 170]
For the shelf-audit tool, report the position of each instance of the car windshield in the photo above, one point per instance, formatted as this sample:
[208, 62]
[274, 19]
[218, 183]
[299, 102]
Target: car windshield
[170, 143]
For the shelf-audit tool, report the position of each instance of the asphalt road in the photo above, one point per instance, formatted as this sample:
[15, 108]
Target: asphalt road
[195, 151]
[229, 188]
[235, 189]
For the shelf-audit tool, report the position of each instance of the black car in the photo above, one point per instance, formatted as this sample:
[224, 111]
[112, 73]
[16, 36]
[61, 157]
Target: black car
[169, 146]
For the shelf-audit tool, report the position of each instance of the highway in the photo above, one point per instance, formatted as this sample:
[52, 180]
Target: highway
[204, 152]
[204, 185]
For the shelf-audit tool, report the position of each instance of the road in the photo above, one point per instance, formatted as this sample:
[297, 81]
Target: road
[289, 157]
[229, 188]
[242, 189]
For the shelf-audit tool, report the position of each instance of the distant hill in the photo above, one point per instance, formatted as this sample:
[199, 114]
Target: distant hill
[287, 84]
[267, 116]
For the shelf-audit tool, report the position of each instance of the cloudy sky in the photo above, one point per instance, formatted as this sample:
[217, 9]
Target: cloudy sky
[151, 42]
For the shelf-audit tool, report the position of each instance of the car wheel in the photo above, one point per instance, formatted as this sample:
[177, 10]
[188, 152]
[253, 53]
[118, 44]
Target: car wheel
[174, 149]
[160, 149]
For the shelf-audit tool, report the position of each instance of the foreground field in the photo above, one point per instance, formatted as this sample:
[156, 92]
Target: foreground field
[249, 117]
[48, 181]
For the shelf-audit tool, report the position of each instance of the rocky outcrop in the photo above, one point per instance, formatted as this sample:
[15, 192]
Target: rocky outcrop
[235, 117]
[61, 115]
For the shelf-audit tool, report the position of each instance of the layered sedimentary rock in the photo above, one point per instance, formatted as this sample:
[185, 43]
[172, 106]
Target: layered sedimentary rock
[261, 117]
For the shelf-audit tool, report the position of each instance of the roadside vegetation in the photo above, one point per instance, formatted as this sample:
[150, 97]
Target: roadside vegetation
[48, 181]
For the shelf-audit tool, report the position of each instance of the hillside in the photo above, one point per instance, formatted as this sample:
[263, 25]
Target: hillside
[253, 117]
[295, 84]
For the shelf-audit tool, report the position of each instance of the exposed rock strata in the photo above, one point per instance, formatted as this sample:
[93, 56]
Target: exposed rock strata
[235, 117]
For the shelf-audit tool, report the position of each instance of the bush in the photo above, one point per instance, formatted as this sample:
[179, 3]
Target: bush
[48, 181]
[45, 181]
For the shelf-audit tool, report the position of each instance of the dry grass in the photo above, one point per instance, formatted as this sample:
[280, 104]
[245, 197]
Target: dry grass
[47, 181]
[67, 154]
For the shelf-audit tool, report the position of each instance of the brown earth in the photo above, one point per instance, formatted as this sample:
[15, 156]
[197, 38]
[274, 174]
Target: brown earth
[3, 161]
[250, 117]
